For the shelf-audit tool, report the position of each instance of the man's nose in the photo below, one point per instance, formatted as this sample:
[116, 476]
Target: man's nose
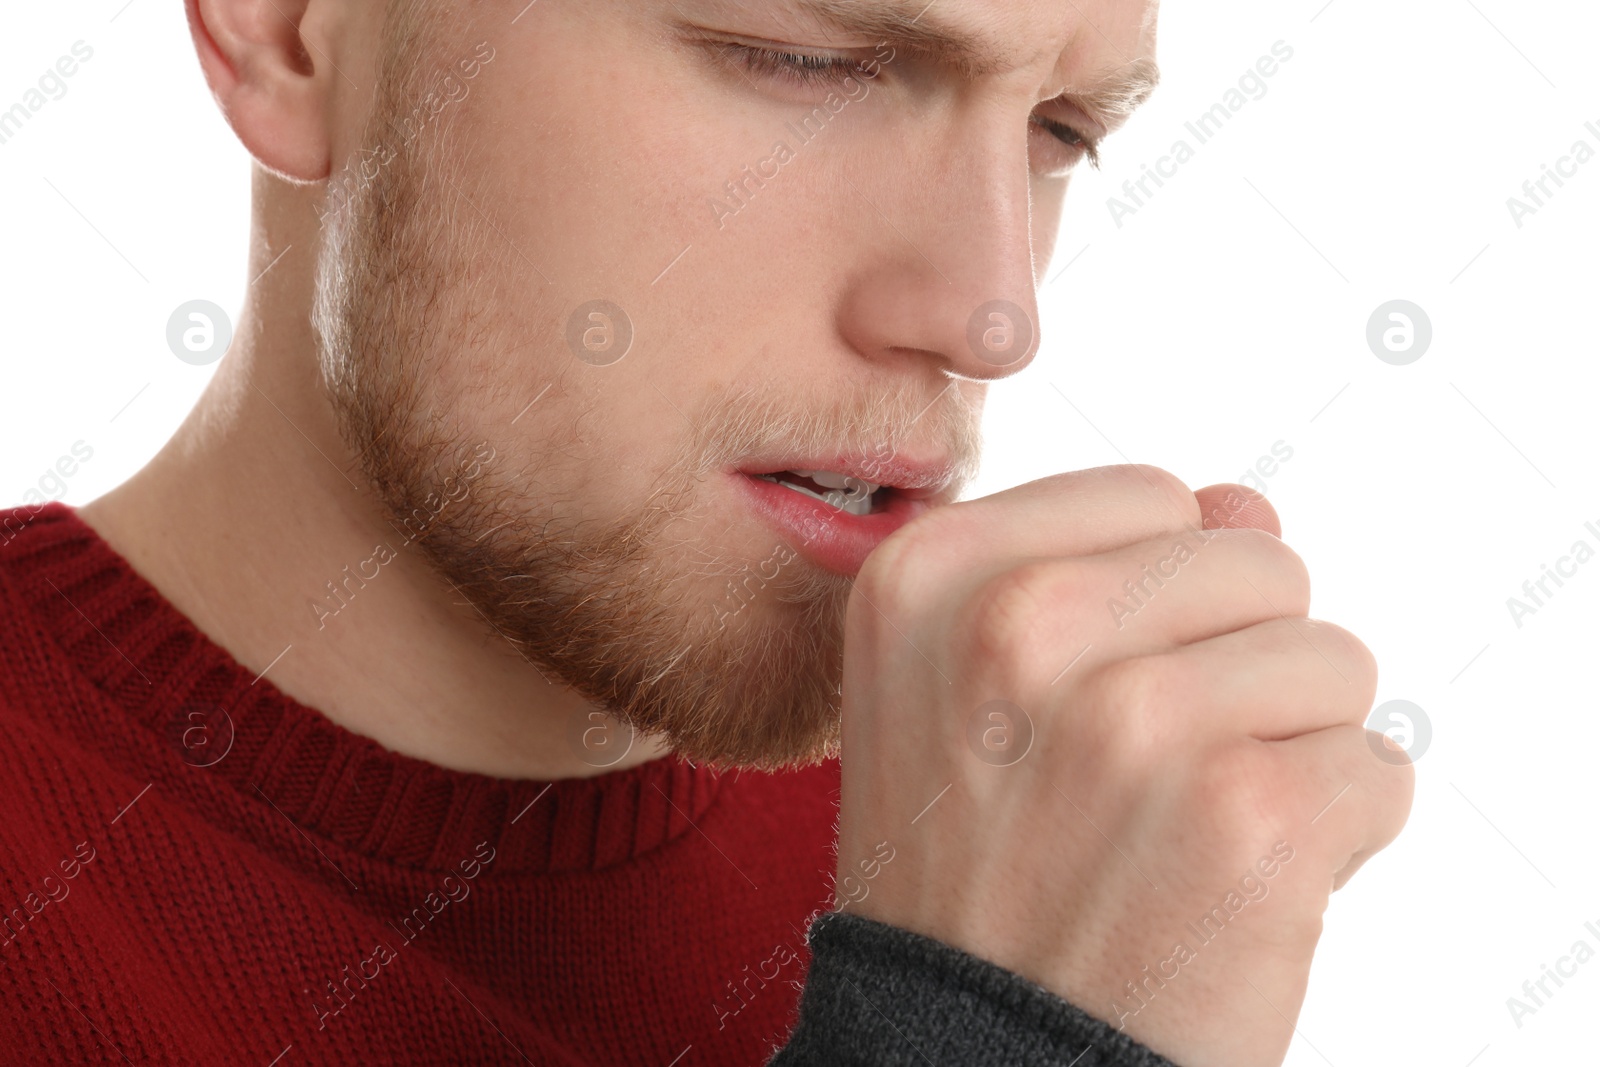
[950, 272]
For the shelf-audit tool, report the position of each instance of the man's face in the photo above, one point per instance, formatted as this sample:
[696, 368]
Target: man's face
[596, 276]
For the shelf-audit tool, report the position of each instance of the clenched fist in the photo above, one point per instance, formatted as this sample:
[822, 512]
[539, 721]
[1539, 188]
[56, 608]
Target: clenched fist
[1089, 719]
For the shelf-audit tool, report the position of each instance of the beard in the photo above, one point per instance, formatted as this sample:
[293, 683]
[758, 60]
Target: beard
[644, 615]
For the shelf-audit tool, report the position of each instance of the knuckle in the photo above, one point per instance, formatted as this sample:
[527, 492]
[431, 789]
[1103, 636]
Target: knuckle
[902, 566]
[1401, 783]
[1289, 576]
[1239, 791]
[1393, 782]
[1294, 572]
[1171, 490]
[1355, 660]
[1016, 620]
[1126, 713]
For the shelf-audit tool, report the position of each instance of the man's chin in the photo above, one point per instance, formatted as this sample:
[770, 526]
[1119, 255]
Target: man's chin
[757, 687]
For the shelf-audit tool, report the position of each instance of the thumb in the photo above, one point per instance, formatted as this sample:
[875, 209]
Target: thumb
[1232, 507]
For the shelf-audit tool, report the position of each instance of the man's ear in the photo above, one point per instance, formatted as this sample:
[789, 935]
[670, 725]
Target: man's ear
[272, 88]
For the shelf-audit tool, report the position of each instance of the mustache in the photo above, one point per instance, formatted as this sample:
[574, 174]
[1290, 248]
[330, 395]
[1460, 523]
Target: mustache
[877, 424]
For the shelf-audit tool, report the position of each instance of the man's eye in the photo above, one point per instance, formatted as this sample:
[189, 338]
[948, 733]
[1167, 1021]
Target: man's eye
[1072, 144]
[795, 67]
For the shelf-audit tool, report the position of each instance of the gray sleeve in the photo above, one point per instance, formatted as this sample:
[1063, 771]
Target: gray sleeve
[880, 996]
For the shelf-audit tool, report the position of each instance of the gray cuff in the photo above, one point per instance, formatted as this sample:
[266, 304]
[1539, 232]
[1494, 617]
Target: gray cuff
[880, 996]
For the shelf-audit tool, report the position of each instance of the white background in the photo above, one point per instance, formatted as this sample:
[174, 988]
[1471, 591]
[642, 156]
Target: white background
[1227, 314]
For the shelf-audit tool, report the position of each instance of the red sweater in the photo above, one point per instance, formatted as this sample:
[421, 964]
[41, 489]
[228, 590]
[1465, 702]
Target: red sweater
[194, 868]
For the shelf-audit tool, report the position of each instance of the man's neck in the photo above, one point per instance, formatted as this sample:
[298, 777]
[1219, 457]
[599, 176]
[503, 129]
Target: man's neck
[256, 522]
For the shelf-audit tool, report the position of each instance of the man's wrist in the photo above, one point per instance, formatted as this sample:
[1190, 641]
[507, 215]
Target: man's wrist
[880, 995]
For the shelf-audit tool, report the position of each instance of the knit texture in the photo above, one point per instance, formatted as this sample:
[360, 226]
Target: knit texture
[194, 868]
[885, 997]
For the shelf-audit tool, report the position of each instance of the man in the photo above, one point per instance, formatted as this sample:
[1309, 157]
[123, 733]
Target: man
[464, 681]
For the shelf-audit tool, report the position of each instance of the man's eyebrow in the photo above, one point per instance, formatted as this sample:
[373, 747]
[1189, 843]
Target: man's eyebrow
[1114, 95]
[912, 27]
[1109, 98]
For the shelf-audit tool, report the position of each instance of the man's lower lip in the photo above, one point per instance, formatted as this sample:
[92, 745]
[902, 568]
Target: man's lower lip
[835, 540]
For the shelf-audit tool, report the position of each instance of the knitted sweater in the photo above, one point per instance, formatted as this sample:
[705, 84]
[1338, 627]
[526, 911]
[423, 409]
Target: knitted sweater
[195, 868]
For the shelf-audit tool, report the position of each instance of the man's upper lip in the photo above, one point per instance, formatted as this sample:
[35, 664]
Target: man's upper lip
[916, 478]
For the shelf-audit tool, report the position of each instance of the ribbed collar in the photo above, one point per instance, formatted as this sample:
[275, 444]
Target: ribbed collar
[152, 663]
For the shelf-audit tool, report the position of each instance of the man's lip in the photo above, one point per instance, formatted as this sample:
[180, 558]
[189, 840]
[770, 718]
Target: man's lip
[914, 479]
[835, 540]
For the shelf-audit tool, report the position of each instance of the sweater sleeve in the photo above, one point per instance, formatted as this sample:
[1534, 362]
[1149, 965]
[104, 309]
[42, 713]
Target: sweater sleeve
[880, 996]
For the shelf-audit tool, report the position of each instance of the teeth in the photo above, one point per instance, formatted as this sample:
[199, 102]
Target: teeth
[854, 505]
[830, 480]
[827, 478]
[848, 494]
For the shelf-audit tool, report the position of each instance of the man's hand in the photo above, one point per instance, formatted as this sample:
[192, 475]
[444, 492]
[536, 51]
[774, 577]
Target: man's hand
[1089, 724]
